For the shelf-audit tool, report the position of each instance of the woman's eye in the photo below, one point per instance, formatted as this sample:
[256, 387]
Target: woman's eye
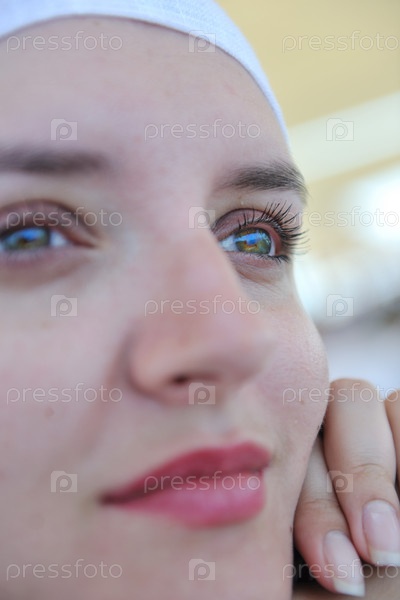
[31, 238]
[250, 241]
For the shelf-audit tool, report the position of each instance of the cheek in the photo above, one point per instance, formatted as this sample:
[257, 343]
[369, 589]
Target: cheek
[47, 414]
[305, 399]
[295, 391]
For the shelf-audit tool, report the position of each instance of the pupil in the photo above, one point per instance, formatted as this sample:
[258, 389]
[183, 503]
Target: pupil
[254, 241]
[26, 239]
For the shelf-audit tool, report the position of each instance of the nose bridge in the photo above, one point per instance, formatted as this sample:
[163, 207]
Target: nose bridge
[199, 328]
[200, 284]
[199, 277]
[197, 289]
[199, 268]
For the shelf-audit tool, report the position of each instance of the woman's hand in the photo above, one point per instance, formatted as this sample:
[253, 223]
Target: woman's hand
[382, 585]
[349, 507]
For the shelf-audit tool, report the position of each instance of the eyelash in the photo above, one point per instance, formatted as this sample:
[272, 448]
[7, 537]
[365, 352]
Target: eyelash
[278, 216]
[291, 236]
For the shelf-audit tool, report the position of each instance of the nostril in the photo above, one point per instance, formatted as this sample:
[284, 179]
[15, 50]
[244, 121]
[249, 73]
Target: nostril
[180, 379]
[187, 380]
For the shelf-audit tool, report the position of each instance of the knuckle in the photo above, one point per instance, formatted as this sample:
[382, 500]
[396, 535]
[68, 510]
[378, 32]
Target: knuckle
[314, 516]
[315, 506]
[371, 471]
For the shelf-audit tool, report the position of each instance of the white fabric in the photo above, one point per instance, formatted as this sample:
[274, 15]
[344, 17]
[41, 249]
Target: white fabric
[188, 16]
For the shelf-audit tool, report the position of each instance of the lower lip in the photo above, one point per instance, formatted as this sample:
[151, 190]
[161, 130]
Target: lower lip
[205, 501]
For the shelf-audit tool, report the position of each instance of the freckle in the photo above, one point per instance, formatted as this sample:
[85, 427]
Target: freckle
[48, 412]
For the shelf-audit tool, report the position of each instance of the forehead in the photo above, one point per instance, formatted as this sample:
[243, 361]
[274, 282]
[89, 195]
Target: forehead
[125, 84]
[125, 62]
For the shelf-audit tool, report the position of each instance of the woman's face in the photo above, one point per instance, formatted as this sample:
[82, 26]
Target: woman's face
[151, 332]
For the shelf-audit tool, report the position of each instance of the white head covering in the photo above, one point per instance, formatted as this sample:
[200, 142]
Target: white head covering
[200, 18]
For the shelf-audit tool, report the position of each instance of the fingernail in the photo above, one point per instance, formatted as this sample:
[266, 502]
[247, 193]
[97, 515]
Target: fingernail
[382, 531]
[344, 563]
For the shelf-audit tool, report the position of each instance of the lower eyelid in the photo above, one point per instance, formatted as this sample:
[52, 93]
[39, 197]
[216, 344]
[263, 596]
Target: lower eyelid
[40, 267]
[263, 270]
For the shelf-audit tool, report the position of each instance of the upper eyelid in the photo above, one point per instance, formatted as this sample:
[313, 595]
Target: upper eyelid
[279, 217]
[273, 212]
[91, 219]
[50, 214]
[30, 209]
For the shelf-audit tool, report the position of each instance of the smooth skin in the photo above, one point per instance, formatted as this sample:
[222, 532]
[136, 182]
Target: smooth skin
[155, 254]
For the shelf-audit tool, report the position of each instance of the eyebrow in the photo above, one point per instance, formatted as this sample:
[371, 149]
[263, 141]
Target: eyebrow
[50, 162]
[275, 176]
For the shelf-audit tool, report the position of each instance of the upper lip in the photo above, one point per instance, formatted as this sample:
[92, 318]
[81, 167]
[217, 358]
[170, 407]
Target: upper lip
[239, 458]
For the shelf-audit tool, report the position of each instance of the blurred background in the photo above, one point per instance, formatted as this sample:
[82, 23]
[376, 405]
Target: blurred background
[335, 68]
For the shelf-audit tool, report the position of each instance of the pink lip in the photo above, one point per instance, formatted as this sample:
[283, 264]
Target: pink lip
[210, 486]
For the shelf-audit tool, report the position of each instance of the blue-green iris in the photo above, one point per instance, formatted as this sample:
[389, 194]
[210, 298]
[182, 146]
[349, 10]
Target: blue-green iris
[25, 239]
[251, 241]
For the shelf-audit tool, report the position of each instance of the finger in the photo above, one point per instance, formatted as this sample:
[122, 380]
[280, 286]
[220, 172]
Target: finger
[359, 450]
[321, 533]
[392, 406]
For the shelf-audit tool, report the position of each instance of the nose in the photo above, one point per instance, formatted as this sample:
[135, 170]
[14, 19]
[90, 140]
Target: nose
[201, 335]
